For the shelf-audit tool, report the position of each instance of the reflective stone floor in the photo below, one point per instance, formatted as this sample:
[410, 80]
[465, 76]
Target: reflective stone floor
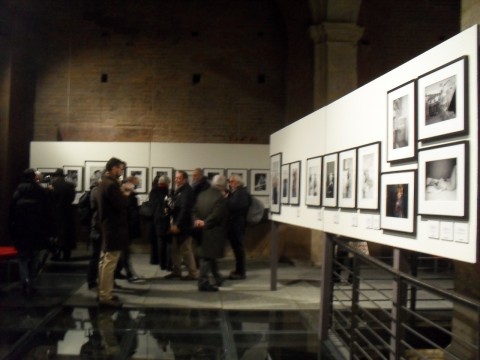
[163, 319]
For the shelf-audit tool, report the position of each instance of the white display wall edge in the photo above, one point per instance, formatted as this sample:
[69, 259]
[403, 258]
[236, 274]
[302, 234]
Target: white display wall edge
[360, 118]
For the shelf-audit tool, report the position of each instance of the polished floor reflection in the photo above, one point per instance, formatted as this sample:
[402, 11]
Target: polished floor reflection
[163, 319]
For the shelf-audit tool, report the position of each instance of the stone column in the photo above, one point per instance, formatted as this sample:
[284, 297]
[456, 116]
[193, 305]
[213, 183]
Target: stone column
[335, 72]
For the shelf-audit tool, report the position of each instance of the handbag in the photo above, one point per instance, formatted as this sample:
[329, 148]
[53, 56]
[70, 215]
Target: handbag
[146, 210]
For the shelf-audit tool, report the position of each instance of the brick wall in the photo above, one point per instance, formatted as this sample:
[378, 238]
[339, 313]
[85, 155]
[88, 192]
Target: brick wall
[178, 71]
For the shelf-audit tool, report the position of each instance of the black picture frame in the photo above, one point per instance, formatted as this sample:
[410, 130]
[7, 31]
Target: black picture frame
[275, 183]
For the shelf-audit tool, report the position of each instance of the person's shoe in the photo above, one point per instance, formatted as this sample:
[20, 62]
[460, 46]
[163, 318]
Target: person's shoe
[92, 286]
[208, 287]
[237, 276]
[189, 278]
[172, 276]
[219, 282]
[120, 276]
[113, 302]
[133, 279]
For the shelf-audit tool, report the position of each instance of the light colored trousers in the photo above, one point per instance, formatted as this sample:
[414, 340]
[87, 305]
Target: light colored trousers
[106, 269]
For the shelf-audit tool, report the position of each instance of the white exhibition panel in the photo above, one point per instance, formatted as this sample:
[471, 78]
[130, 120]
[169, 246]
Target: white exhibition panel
[180, 156]
[360, 118]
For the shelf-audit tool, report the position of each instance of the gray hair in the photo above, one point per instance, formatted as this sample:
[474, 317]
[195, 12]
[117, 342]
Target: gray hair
[164, 179]
[219, 181]
[238, 179]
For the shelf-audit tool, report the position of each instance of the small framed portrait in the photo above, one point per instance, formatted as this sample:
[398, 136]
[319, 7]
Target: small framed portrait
[74, 174]
[401, 125]
[347, 178]
[313, 196]
[285, 187]
[210, 173]
[141, 174]
[294, 183]
[397, 210]
[242, 173]
[93, 171]
[330, 180]
[368, 172]
[442, 183]
[442, 101]
[275, 183]
[259, 182]
[161, 171]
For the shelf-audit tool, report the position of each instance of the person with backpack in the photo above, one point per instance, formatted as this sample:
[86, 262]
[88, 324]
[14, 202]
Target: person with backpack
[237, 205]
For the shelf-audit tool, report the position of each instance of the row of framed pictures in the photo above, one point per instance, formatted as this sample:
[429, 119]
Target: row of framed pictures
[351, 179]
[331, 180]
[258, 180]
[431, 107]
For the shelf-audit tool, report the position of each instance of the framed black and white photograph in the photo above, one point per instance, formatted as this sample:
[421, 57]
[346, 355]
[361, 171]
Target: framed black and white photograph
[442, 180]
[313, 196]
[161, 171]
[210, 173]
[259, 182]
[141, 174]
[275, 183]
[74, 174]
[285, 187]
[401, 125]
[294, 183]
[347, 178]
[368, 173]
[330, 180]
[397, 210]
[442, 101]
[242, 173]
[93, 172]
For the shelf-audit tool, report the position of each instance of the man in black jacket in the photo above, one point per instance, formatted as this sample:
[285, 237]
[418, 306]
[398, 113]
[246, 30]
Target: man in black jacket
[112, 212]
[237, 204]
[181, 229]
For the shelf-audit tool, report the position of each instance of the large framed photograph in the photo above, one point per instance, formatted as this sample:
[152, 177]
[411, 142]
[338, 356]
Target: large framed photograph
[259, 182]
[285, 187]
[141, 174]
[442, 183]
[294, 183]
[330, 180]
[442, 101]
[74, 174]
[401, 126]
[93, 172]
[313, 195]
[397, 210]
[347, 178]
[210, 173]
[368, 172]
[275, 183]
[242, 173]
[161, 171]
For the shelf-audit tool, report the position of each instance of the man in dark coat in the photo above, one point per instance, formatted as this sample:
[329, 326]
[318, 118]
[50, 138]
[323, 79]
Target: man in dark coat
[211, 215]
[238, 203]
[181, 228]
[112, 211]
[30, 226]
[63, 194]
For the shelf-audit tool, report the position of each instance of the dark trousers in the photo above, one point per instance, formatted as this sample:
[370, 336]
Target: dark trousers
[237, 244]
[124, 263]
[163, 250]
[208, 266]
[92, 269]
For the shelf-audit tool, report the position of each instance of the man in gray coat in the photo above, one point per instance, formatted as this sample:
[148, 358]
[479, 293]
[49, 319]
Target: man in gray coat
[211, 215]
